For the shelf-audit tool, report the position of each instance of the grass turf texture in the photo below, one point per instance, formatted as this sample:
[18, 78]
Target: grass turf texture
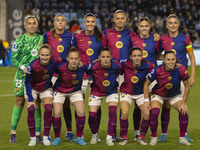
[7, 102]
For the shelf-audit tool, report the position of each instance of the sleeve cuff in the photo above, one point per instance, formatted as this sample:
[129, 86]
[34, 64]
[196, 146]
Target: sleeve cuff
[22, 67]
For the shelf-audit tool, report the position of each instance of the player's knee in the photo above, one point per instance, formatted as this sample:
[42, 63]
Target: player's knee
[80, 113]
[124, 115]
[20, 102]
[57, 114]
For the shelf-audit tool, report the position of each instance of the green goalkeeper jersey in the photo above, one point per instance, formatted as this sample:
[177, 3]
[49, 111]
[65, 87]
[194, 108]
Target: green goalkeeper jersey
[25, 49]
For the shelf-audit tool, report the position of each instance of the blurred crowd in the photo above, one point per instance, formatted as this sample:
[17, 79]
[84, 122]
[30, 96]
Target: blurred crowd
[188, 12]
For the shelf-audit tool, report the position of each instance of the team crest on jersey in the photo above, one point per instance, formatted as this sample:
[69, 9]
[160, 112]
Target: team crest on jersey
[45, 71]
[40, 43]
[105, 74]
[145, 54]
[90, 99]
[34, 52]
[168, 86]
[154, 95]
[119, 44]
[123, 95]
[106, 83]
[119, 36]
[60, 48]
[74, 75]
[169, 78]
[45, 77]
[136, 71]
[60, 39]
[172, 43]
[75, 81]
[173, 51]
[90, 42]
[90, 52]
[17, 89]
[144, 44]
[134, 79]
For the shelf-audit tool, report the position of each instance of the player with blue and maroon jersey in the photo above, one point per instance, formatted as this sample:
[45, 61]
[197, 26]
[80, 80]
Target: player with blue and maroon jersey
[104, 72]
[150, 49]
[135, 72]
[182, 46]
[69, 85]
[60, 40]
[146, 41]
[38, 83]
[168, 77]
[89, 43]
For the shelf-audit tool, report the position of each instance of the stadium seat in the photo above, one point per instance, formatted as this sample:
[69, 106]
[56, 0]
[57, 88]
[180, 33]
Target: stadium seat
[66, 14]
[121, 6]
[45, 5]
[104, 5]
[38, 5]
[62, 6]
[54, 6]
[53, 1]
[43, 1]
[72, 15]
[30, 4]
[57, 13]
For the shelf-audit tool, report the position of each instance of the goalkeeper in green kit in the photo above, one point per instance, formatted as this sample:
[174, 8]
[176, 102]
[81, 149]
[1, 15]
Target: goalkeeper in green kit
[24, 50]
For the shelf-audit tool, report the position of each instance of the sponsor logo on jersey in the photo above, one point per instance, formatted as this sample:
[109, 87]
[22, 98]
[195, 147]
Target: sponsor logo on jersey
[90, 52]
[45, 71]
[165, 41]
[45, 77]
[105, 74]
[106, 83]
[134, 79]
[144, 44]
[75, 81]
[169, 78]
[119, 44]
[145, 54]
[168, 86]
[81, 39]
[173, 51]
[119, 36]
[172, 43]
[15, 45]
[60, 48]
[112, 33]
[89, 42]
[60, 39]
[34, 52]
[186, 72]
[74, 75]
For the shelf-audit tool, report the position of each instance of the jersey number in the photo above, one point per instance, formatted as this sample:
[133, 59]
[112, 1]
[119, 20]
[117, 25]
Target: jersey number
[18, 83]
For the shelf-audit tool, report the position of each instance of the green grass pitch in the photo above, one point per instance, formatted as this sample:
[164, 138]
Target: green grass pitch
[7, 101]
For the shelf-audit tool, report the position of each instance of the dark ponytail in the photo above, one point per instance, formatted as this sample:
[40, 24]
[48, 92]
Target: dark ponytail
[97, 33]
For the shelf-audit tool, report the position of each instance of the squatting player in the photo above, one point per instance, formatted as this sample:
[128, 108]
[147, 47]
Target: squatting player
[24, 50]
[168, 77]
[104, 72]
[38, 83]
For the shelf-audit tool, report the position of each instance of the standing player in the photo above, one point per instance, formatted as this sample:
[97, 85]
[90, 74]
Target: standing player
[25, 50]
[69, 85]
[89, 43]
[150, 49]
[182, 46]
[38, 83]
[60, 40]
[135, 72]
[104, 72]
[169, 77]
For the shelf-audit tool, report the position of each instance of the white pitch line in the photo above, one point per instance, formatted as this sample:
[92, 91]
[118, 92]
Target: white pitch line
[7, 95]
[6, 81]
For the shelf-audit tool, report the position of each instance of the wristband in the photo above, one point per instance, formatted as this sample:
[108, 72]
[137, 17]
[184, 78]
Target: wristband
[146, 100]
[22, 67]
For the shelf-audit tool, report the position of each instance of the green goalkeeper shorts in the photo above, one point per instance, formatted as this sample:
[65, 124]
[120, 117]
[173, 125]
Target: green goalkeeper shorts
[19, 83]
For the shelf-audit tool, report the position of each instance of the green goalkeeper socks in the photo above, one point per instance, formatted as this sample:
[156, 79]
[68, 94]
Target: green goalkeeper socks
[16, 114]
[37, 120]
